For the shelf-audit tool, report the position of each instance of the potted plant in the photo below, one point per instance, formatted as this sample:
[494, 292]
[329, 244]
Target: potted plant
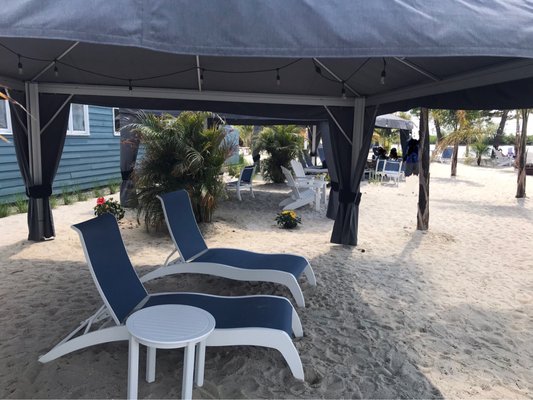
[288, 219]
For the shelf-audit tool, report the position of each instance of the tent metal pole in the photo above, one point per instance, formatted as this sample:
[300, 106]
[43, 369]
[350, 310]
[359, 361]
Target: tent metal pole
[34, 147]
[57, 113]
[357, 133]
[11, 83]
[313, 141]
[187, 94]
[198, 73]
[333, 74]
[59, 57]
[418, 69]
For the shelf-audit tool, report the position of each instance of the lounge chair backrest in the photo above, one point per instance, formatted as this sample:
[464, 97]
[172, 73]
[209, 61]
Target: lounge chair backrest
[447, 153]
[308, 160]
[182, 224]
[298, 169]
[110, 266]
[380, 165]
[290, 182]
[392, 166]
[246, 174]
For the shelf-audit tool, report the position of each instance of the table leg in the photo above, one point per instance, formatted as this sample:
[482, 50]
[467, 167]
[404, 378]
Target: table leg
[188, 371]
[150, 364]
[200, 363]
[133, 368]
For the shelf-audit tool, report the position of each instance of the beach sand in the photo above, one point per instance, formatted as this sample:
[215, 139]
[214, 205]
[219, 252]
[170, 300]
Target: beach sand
[442, 313]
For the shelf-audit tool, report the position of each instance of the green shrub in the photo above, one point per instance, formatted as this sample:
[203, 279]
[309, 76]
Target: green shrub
[21, 204]
[53, 202]
[82, 196]
[179, 154]
[67, 198]
[282, 143]
[5, 210]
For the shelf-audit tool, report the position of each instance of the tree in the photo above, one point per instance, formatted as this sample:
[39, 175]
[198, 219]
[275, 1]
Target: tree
[422, 219]
[179, 154]
[521, 156]
[246, 133]
[501, 126]
[282, 143]
[481, 147]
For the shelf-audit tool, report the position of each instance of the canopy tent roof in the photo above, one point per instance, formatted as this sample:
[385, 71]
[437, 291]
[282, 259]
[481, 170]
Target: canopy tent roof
[315, 49]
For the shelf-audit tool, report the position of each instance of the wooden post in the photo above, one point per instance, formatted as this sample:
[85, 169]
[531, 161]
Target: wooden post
[521, 158]
[422, 219]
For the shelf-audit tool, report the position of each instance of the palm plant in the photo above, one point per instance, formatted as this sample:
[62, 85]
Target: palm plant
[481, 147]
[282, 143]
[246, 133]
[179, 154]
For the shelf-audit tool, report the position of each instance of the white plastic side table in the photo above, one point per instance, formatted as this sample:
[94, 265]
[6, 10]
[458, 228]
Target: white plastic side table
[169, 326]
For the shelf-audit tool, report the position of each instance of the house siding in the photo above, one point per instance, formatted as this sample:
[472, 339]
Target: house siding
[86, 162]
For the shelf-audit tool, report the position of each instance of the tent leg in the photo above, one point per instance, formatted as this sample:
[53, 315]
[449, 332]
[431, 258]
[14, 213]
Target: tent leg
[34, 148]
[357, 143]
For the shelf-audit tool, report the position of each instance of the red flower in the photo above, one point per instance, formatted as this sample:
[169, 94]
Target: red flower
[100, 200]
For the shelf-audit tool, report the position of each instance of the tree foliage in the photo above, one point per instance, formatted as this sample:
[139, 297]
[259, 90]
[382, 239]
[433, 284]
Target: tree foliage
[179, 154]
[282, 143]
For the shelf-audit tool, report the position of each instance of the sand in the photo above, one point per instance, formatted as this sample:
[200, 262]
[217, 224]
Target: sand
[443, 313]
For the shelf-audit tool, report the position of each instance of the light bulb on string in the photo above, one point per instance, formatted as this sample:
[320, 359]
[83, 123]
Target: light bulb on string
[202, 76]
[278, 79]
[19, 66]
[56, 70]
[383, 73]
[343, 91]
[130, 87]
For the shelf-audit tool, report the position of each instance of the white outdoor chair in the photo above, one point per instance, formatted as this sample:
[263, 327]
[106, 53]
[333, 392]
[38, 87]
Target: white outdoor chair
[378, 173]
[196, 258]
[303, 192]
[244, 181]
[392, 170]
[299, 171]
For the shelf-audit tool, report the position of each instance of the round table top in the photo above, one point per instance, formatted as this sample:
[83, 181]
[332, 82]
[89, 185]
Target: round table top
[170, 325]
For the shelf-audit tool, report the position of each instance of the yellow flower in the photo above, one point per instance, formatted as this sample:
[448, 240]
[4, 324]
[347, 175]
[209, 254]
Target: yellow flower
[292, 214]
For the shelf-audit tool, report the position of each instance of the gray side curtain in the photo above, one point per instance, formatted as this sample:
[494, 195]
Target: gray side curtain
[52, 141]
[333, 203]
[347, 213]
[404, 138]
[129, 148]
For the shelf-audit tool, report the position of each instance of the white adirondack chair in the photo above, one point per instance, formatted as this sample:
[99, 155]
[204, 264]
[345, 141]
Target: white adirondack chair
[303, 192]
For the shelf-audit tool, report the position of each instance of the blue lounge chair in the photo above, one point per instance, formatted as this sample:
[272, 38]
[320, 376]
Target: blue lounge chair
[244, 182]
[267, 321]
[235, 264]
[393, 171]
[446, 155]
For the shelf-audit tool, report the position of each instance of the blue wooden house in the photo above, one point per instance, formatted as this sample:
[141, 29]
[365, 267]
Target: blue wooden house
[91, 156]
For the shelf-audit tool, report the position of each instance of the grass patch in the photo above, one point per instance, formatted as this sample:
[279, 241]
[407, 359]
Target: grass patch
[67, 198]
[113, 186]
[54, 202]
[5, 210]
[21, 204]
[98, 192]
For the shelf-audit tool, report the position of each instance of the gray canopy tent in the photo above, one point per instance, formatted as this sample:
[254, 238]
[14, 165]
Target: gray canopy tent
[341, 63]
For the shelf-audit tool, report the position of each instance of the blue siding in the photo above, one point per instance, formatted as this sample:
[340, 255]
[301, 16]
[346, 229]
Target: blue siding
[87, 161]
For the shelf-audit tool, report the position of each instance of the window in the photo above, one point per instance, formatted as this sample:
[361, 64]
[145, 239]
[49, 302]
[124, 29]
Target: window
[5, 118]
[78, 120]
[116, 122]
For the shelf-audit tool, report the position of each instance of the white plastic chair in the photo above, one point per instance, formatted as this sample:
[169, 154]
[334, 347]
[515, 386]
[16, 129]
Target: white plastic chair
[303, 192]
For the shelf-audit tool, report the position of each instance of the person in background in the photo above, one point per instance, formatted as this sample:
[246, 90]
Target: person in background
[393, 155]
[382, 154]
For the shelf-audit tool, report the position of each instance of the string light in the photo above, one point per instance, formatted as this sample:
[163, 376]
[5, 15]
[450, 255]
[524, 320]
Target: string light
[383, 73]
[56, 71]
[130, 87]
[202, 76]
[278, 79]
[19, 66]
[343, 91]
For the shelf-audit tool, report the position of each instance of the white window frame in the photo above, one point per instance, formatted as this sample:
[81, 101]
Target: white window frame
[9, 129]
[115, 133]
[86, 132]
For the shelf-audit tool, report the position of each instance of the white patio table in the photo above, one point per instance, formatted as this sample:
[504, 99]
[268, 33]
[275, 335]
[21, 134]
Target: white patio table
[168, 327]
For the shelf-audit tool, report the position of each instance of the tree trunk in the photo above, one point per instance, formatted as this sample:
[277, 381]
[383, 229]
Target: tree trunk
[437, 129]
[499, 131]
[521, 157]
[454, 159]
[422, 218]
